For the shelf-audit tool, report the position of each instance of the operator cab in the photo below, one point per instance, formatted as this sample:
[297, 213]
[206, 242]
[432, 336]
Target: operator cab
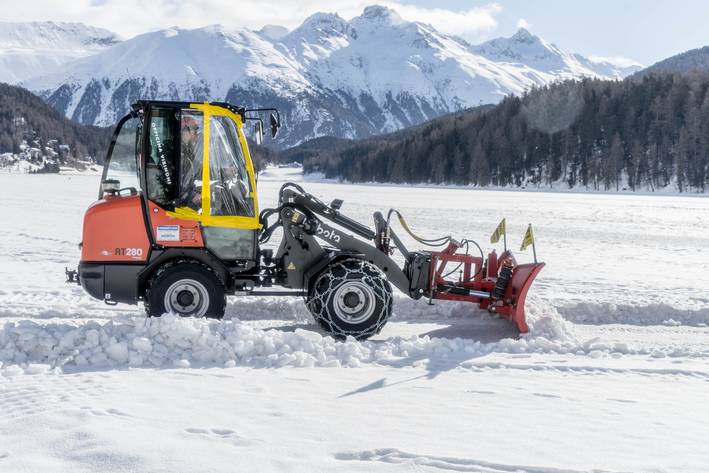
[191, 164]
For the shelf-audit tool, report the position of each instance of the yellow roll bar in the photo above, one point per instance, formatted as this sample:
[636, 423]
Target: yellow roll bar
[206, 218]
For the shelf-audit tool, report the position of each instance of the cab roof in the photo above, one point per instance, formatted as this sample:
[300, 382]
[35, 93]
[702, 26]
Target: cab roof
[143, 104]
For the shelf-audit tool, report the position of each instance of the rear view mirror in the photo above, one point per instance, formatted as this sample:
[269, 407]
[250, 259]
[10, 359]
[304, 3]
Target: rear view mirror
[258, 132]
[275, 125]
[110, 186]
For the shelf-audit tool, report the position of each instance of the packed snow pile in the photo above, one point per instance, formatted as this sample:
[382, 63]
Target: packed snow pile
[171, 341]
[650, 314]
[545, 321]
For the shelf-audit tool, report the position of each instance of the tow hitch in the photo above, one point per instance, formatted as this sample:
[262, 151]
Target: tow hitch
[72, 276]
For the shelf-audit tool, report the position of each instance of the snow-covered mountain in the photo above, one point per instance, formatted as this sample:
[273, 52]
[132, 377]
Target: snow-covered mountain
[28, 49]
[526, 49]
[694, 60]
[374, 73]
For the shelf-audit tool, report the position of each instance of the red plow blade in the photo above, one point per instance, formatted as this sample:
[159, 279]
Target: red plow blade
[511, 306]
[502, 289]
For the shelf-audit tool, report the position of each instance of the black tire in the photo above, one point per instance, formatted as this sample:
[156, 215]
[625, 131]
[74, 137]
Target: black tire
[351, 298]
[187, 289]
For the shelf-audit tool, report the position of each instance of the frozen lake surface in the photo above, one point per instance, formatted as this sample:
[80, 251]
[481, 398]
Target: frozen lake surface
[613, 376]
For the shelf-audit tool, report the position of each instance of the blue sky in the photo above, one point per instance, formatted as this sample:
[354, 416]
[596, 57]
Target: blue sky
[646, 31]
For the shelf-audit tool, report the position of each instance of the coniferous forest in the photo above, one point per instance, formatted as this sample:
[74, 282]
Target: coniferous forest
[24, 117]
[643, 133]
[26, 121]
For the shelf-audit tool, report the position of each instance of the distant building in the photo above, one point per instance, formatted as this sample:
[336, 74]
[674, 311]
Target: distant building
[7, 159]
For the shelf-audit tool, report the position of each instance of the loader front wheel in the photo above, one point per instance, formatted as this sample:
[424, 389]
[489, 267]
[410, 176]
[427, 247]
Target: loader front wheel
[351, 298]
[185, 289]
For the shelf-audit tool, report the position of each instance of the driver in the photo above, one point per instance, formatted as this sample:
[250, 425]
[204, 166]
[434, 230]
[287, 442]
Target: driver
[191, 162]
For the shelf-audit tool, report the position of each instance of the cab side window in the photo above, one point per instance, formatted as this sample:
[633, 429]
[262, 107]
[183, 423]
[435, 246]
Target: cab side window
[160, 169]
[122, 164]
[191, 159]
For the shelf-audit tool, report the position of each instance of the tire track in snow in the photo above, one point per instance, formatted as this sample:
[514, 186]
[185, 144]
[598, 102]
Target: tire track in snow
[393, 455]
[31, 395]
[585, 369]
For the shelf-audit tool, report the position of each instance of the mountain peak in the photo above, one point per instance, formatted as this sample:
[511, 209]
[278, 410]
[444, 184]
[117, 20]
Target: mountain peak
[317, 28]
[274, 32]
[523, 35]
[521, 47]
[380, 13]
[323, 19]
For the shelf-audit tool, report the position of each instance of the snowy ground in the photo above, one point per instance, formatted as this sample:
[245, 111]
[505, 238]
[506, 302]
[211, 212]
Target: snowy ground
[614, 376]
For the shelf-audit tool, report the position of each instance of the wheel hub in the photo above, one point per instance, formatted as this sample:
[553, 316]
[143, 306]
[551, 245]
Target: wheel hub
[351, 299]
[354, 302]
[187, 297]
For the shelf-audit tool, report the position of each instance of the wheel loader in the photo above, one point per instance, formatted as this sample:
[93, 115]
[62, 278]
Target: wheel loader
[177, 226]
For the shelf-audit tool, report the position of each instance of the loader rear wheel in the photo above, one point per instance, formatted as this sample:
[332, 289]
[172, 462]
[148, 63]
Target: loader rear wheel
[185, 289]
[351, 298]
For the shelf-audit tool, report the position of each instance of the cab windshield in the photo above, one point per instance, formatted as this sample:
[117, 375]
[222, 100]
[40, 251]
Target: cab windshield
[230, 192]
[231, 189]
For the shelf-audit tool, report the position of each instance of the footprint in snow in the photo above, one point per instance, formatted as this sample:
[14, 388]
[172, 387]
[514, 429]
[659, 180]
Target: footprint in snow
[106, 412]
[220, 434]
[193, 430]
[473, 391]
[626, 401]
[417, 461]
[224, 432]
[553, 396]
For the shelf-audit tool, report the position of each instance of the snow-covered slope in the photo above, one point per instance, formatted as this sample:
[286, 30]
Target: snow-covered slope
[171, 64]
[372, 74]
[27, 49]
[694, 60]
[397, 64]
[547, 59]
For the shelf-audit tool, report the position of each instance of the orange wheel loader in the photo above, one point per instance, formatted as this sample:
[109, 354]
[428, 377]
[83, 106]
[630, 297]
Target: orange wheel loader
[177, 227]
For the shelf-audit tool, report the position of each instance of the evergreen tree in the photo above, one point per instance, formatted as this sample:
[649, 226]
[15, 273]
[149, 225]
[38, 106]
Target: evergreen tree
[652, 131]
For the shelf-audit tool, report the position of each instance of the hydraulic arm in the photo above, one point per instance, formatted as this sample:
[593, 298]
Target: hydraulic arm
[310, 243]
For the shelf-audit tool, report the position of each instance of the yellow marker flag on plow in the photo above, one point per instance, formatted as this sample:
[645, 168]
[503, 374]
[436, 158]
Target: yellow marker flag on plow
[499, 231]
[528, 238]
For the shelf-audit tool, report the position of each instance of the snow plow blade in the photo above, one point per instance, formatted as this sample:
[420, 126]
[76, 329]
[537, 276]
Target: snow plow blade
[511, 306]
[501, 290]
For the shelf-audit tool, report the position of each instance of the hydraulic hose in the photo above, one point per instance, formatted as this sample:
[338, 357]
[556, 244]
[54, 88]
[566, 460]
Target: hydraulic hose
[424, 241]
[436, 242]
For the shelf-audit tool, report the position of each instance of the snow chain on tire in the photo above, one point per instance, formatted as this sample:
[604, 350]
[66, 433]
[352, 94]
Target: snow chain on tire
[365, 280]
